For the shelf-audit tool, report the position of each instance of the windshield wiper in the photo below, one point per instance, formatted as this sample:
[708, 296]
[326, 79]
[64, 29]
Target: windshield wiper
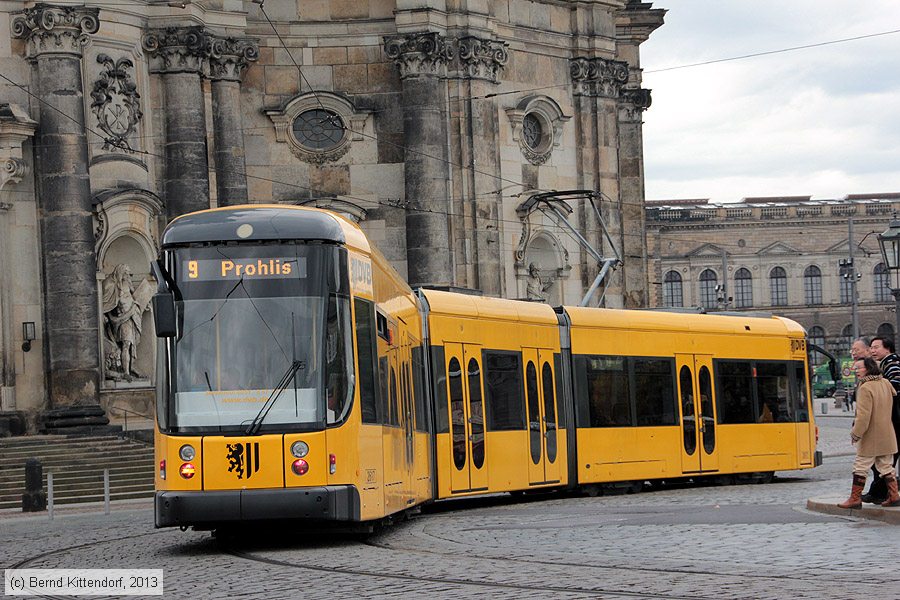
[254, 426]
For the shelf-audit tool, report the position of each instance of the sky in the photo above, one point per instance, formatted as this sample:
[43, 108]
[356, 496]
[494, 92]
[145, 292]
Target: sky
[821, 122]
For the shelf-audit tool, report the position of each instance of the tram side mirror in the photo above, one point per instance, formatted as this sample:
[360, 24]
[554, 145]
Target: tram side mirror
[164, 314]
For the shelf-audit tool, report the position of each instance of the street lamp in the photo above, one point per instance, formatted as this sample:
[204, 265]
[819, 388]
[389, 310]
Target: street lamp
[890, 251]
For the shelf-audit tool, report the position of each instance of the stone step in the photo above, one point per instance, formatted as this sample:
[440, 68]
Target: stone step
[60, 466]
[140, 466]
[84, 489]
[73, 455]
[132, 495]
[38, 440]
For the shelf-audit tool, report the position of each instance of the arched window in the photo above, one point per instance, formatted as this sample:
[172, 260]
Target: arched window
[817, 337]
[843, 343]
[882, 284]
[743, 288]
[847, 284]
[812, 284]
[672, 290]
[778, 283]
[886, 330]
[708, 288]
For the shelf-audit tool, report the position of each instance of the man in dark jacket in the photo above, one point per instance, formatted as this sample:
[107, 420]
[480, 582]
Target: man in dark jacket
[883, 350]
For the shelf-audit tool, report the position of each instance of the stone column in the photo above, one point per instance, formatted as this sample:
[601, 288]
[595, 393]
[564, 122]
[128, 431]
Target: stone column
[177, 54]
[480, 63]
[227, 61]
[632, 104]
[422, 58]
[597, 84]
[55, 36]
[15, 128]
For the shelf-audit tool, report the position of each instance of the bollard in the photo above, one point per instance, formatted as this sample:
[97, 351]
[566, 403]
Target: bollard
[824, 408]
[34, 500]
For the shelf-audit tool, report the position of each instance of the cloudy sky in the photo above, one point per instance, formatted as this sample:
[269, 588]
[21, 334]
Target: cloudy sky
[823, 121]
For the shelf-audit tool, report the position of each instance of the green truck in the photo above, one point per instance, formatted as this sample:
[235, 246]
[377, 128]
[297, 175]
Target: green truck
[823, 383]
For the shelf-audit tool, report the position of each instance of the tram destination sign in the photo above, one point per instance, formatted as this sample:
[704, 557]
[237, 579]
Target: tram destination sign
[225, 269]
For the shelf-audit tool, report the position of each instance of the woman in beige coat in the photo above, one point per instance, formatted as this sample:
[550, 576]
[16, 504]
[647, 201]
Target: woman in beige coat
[873, 432]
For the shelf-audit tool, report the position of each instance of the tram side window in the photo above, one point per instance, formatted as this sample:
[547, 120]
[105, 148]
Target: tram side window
[418, 370]
[735, 393]
[394, 409]
[609, 396]
[772, 392]
[383, 411]
[366, 351]
[505, 401]
[654, 391]
[798, 395]
[439, 390]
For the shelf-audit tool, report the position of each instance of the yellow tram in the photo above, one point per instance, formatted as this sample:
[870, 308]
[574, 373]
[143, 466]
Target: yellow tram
[299, 377]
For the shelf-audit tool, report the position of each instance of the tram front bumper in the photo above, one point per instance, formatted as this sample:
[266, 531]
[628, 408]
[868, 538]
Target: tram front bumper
[327, 503]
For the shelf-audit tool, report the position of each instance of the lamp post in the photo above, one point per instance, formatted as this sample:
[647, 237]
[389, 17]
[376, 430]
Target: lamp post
[890, 251]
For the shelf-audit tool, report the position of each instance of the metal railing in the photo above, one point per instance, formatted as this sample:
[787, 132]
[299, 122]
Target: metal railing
[126, 412]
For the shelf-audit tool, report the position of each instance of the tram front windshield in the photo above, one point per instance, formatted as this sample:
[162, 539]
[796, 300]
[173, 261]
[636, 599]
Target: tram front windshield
[260, 324]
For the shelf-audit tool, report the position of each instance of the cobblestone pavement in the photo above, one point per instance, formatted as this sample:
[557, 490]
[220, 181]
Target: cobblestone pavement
[742, 541]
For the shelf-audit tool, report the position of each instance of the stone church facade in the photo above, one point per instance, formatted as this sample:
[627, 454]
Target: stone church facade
[789, 256]
[431, 123]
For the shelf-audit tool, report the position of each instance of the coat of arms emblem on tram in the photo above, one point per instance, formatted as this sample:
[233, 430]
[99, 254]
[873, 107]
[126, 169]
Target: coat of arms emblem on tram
[243, 459]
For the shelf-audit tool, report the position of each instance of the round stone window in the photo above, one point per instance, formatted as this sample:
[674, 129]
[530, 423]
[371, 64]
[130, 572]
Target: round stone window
[532, 131]
[319, 129]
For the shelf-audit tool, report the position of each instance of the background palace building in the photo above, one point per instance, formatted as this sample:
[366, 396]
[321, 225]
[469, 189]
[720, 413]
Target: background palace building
[432, 123]
[814, 261]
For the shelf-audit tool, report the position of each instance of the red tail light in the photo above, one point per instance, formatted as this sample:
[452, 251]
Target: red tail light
[162, 469]
[300, 466]
[817, 434]
[187, 470]
[332, 464]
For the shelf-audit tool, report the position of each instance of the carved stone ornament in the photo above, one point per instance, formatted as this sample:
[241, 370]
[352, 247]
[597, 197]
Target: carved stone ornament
[176, 49]
[229, 57]
[51, 29]
[419, 54]
[598, 77]
[632, 103]
[116, 102]
[344, 116]
[481, 59]
[15, 127]
[537, 125]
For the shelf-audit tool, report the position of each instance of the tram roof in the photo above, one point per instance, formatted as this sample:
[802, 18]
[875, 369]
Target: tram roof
[673, 321]
[269, 222]
[466, 305]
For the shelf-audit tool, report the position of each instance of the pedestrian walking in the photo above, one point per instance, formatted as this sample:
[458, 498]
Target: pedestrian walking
[873, 433]
[883, 350]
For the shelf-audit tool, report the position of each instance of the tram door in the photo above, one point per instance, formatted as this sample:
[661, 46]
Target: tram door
[540, 399]
[698, 413]
[464, 387]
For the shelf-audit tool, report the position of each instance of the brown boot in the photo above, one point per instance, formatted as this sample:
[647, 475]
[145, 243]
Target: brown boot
[855, 499]
[893, 498]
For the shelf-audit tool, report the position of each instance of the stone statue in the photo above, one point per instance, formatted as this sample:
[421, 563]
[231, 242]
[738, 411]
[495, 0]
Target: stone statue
[537, 287]
[123, 307]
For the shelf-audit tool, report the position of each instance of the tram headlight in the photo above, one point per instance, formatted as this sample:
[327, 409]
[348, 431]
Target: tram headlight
[187, 470]
[299, 449]
[300, 466]
[187, 453]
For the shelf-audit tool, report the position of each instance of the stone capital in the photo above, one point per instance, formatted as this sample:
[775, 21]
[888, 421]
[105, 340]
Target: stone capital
[229, 57]
[177, 49]
[15, 127]
[481, 59]
[598, 77]
[419, 54]
[632, 102]
[50, 29]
